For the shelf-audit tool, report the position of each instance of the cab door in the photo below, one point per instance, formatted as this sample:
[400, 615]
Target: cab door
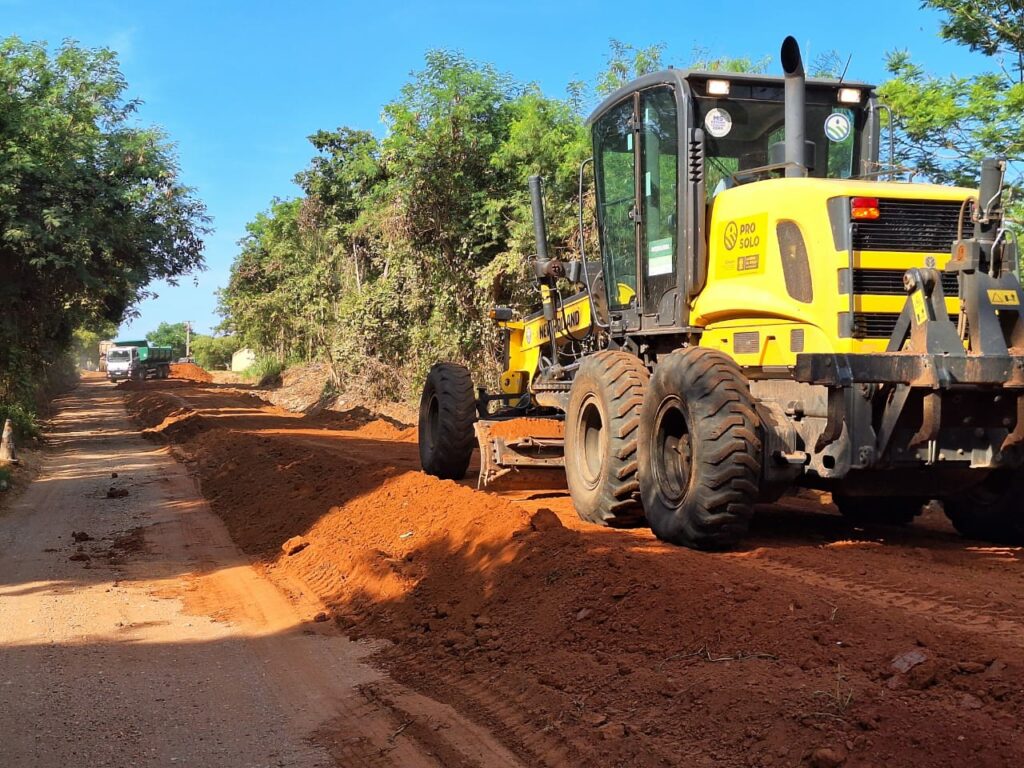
[659, 205]
[636, 166]
[618, 208]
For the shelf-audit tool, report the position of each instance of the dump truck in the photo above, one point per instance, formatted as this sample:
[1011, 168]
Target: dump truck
[771, 310]
[138, 360]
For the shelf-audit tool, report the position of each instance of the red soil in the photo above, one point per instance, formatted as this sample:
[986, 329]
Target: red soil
[818, 645]
[527, 428]
[191, 372]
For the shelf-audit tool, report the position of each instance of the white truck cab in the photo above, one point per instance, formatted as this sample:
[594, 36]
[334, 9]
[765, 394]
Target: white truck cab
[122, 363]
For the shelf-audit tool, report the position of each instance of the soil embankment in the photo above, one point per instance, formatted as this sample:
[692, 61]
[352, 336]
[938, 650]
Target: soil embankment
[817, 644]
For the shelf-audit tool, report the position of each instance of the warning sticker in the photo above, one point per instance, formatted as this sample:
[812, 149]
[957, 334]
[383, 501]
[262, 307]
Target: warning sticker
[920, 308]
[742, 244]
[1004, 298]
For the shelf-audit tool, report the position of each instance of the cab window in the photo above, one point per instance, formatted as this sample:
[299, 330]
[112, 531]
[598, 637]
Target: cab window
[659, 193]
[615, 173]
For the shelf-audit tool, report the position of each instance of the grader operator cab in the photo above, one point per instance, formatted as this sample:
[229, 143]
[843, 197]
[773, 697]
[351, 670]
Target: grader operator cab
[766, 314]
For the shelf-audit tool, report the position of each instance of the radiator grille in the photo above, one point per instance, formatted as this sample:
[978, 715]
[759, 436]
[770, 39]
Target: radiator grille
[918, 226]
[889, 282]
[878, 325]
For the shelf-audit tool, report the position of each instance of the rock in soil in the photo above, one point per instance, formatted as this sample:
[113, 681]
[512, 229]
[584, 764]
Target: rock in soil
[907, 661]
[294, 545]
[828, 757]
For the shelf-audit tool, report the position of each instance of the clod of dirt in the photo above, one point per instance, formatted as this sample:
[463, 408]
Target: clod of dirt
[80, 536]
[545, 520]
[294, 545]
[613, 731]
[923, 675]
[113, 475]
[80, 557]
[969, 701]
[828, 757]
[595, 719]
[321, 617]
[907, 661]
[116, 493]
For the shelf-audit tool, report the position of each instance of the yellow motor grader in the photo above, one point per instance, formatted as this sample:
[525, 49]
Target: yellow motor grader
[766, 313]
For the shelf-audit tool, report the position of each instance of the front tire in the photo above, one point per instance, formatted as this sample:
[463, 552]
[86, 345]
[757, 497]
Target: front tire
[601, 428]
[991, 511]
[700, 450]
[447, 415]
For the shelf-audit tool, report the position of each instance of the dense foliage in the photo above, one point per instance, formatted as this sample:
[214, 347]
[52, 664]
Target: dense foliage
[947, 125]
[173, 335]
[214, 352]
[399, 246]
[91, 208]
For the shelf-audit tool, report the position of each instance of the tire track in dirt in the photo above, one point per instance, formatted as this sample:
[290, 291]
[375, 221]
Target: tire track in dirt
[506, 708]
[987, 620]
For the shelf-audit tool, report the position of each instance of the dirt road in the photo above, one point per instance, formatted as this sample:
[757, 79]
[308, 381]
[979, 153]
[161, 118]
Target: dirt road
[133, 632]
[487, 629]
[816, 644]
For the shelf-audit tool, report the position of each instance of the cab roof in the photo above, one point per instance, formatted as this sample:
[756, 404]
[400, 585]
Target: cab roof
[680, 76]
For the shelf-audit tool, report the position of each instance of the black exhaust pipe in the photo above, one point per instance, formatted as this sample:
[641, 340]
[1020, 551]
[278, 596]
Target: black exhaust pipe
[796, 148]
[540, 227]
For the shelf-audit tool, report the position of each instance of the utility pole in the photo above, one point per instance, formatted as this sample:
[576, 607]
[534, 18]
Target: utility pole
[188, 338]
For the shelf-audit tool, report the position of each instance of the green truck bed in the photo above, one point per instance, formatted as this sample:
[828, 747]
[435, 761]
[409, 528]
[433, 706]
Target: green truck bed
[155, 354]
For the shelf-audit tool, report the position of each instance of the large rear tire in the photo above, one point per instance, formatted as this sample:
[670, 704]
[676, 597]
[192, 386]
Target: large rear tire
[879, 510]
[991, 511]
[700, 450]
[601, 428]
[447, 414]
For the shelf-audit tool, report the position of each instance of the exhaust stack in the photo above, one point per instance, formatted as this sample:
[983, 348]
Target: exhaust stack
[793, 67]
[540, 227]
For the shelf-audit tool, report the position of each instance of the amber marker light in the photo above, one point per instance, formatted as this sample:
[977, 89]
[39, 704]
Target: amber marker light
[862, 208]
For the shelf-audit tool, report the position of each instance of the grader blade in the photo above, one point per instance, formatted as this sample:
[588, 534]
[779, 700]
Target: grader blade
[509, 445]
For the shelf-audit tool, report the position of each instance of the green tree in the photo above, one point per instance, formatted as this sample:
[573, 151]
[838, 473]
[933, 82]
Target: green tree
[169, 335]
[627, 62]
[945, 126]
[91, 207]
[214, 352]
[702, 58]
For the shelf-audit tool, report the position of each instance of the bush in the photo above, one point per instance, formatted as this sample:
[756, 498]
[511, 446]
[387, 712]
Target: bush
[23, 420]
[265, 371]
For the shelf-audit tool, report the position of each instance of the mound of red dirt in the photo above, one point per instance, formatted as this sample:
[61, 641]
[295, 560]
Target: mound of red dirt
[191, 372]
[587, 646]
[525, 427]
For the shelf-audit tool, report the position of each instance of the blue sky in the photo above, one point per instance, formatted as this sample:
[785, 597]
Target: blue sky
[240, 85]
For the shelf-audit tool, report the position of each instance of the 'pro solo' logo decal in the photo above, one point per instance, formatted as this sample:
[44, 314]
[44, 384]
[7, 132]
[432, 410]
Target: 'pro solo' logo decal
[742, 244]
